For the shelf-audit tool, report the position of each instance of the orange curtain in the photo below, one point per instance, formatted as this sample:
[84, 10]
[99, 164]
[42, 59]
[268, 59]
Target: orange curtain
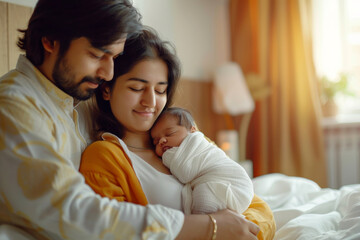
[272, 39]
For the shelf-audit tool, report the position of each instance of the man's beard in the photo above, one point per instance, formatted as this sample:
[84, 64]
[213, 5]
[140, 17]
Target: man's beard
[64, 79]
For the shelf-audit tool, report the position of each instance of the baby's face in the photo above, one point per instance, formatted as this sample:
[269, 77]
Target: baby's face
[167, 134]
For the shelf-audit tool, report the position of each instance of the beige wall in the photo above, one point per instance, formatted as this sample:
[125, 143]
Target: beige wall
[196, 96]
[199, 29]
[28, 3]
[12, 17]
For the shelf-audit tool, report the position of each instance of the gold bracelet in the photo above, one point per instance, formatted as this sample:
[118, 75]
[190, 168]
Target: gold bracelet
[215, 227]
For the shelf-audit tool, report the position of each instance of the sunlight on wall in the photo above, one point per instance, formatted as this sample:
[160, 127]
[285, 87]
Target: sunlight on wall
[199, 30]
[28, 3]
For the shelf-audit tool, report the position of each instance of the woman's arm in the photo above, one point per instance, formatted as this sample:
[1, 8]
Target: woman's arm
[260, 213]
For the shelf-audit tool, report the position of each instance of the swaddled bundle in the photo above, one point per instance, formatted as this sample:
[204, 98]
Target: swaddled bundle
[212, 180]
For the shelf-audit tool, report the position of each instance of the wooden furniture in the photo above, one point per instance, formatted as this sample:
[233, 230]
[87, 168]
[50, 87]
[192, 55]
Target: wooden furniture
[12, 17]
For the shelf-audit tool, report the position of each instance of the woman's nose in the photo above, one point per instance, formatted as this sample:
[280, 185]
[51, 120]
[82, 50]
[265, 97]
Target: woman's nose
[149, 99]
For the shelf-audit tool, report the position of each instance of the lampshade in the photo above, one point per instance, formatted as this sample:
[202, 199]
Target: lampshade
[231, 94]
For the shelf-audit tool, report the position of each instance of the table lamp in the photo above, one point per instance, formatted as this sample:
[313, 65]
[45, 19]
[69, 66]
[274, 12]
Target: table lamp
[231, 97]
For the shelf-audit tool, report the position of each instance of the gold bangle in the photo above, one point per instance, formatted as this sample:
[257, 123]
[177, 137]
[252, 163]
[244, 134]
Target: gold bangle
[213, 220]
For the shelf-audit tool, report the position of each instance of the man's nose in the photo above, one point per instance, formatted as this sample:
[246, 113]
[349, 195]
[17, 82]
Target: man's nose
[106, 70]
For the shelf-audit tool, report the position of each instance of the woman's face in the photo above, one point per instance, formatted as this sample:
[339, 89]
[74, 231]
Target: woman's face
[138, 97]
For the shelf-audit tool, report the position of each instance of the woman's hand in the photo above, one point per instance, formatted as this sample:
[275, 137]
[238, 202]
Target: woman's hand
[230, 225]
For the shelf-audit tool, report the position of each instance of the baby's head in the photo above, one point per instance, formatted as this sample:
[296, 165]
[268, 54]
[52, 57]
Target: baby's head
[170, 129]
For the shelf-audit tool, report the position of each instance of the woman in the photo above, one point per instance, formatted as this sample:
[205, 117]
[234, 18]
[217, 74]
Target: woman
[124, 165]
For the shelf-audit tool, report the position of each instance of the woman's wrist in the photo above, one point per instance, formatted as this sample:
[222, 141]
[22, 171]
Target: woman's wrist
[214, 227]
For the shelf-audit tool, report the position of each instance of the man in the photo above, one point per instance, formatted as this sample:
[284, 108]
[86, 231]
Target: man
[70, 46]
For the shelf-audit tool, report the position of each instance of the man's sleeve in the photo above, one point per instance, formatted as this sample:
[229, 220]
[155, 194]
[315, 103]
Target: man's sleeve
[40, 189]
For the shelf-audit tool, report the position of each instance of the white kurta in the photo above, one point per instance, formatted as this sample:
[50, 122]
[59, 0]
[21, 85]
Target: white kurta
[41, 190]
[212, 180]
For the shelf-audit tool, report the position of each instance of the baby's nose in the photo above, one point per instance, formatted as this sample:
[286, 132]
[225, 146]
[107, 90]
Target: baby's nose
[163, 140]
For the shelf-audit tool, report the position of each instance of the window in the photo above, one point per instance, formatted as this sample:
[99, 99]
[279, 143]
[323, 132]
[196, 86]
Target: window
[336, 36]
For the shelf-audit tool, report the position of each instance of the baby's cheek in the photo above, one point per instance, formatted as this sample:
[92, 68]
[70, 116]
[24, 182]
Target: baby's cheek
[158, 150]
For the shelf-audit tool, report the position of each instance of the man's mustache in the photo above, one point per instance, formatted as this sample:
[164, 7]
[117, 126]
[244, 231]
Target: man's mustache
[92, 80]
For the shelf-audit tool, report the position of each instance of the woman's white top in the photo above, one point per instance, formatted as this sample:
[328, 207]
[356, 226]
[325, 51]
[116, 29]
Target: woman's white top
[159, 188]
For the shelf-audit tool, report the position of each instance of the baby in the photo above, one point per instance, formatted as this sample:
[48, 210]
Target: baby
[212, 181]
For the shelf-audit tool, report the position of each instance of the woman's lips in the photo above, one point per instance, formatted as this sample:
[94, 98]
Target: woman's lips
[144, 113]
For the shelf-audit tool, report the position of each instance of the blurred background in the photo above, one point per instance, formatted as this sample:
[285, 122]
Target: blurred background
[298, 59]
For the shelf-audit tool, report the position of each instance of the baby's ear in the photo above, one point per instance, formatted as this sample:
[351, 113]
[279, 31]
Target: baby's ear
[193, 129]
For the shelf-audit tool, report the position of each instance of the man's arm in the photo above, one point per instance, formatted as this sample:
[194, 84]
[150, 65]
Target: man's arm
[230, 225]
[41, 189]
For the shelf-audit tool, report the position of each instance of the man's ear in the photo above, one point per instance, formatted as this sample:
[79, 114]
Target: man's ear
[193, 129]
[105, 92]
[48, 44]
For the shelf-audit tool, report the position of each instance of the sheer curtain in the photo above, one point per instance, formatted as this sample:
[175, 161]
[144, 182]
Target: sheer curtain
[336, 38]
[272, 38]
[328, 37]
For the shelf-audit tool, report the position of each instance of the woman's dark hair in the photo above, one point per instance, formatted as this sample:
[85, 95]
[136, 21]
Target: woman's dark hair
[102, 22]
[147, 45]
[183, 116]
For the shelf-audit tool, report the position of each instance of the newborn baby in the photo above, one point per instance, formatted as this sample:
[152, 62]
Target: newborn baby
[212, 181]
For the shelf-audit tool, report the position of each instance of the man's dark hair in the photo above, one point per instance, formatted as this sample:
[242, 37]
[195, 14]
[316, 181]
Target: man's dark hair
[102, 22]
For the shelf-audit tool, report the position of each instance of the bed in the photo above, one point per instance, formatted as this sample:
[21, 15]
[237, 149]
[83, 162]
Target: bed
[303, 210]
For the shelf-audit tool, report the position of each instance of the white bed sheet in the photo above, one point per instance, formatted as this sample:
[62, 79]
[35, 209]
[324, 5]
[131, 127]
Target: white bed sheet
[303, 210]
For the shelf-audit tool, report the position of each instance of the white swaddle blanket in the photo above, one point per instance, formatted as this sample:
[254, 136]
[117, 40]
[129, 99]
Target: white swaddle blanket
[212, 180]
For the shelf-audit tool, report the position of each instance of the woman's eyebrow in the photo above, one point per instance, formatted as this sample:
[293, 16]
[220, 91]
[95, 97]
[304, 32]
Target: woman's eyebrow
[138, 79]
[145, 81]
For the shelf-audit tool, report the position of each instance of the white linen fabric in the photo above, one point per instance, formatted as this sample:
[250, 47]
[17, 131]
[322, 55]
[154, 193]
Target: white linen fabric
[303, 210]
[41, 191]
[212, 180]
[8, 232]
